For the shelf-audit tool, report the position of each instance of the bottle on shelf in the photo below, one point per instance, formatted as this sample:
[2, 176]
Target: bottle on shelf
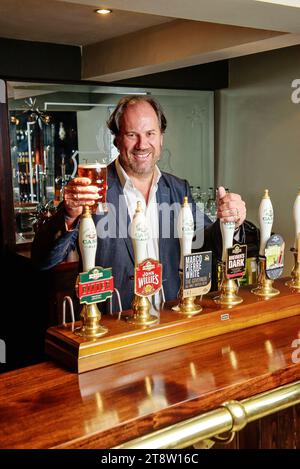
[201, 199]
[211, 206]
[206, 201]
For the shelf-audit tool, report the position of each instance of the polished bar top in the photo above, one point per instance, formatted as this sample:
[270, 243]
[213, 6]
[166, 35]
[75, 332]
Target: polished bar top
[46, 406]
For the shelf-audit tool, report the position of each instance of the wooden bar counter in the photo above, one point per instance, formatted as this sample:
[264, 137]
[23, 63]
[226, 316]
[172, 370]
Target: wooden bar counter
[47, 406]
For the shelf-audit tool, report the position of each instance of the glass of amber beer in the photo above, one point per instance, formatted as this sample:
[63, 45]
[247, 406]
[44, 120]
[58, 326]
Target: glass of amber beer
[97, 173]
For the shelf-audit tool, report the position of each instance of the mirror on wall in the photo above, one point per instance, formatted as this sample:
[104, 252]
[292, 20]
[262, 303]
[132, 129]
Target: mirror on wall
[53, 127]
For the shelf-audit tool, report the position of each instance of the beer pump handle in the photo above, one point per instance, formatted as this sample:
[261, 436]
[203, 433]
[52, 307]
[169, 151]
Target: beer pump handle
[139, 234]
[185, 230]
[296, 211]
[87, 239]
[266, 217]
[227, 231]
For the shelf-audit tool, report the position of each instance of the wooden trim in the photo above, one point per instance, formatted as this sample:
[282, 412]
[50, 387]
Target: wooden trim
[125, 341]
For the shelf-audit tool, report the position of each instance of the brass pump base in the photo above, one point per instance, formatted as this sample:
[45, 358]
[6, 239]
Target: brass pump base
[264, 287]
[228, 289]
[91, 327]
[294, 283]
[187, 306]
[265, 290]
[228, 295]
[141, 312]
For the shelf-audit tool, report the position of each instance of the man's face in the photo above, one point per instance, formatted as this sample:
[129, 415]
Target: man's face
[140, 139]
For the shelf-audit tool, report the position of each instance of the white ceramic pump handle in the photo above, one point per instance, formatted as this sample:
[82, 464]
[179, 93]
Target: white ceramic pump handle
[296, 213]
[139, 234]
[266, 217]
[185, 230]
[227, 231]
[87, 241]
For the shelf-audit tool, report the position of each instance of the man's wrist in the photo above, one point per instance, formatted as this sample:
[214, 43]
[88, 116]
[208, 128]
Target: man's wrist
[70, 221]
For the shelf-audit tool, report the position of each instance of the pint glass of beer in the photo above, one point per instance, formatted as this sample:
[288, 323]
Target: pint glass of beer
[98, 175]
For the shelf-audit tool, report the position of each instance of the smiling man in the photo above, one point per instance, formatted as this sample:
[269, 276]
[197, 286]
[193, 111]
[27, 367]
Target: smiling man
[139, 140]
[138, 124]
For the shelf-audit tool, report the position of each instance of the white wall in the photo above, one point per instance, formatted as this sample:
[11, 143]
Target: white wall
[257, 136]
[188, 150]
[94, 138]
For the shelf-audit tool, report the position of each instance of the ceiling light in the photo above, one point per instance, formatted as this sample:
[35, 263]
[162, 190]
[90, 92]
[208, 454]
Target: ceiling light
[103, 11]
[286, 3]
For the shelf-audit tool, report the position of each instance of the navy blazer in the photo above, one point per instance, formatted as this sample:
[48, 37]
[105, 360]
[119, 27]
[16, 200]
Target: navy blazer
[53, 243]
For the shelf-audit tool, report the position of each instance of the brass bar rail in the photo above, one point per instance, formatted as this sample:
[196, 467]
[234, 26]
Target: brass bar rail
[232, 416]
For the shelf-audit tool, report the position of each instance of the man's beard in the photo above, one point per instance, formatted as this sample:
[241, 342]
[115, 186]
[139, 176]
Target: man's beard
[139, 168]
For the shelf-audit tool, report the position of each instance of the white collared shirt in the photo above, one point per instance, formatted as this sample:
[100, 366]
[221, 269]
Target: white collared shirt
[132, 196]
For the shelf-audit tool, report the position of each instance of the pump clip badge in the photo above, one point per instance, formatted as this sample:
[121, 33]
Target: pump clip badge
[95, 285]
[236, 261]
[197, 274]
[274, 252]
[147, 278]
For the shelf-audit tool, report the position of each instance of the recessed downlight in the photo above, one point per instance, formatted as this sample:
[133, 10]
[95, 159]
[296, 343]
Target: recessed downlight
[103, 11]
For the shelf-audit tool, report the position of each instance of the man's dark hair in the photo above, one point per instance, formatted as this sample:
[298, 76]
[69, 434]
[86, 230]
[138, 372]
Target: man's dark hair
[114, 121]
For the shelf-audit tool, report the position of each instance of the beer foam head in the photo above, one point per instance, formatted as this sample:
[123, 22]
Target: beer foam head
[91, 165]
